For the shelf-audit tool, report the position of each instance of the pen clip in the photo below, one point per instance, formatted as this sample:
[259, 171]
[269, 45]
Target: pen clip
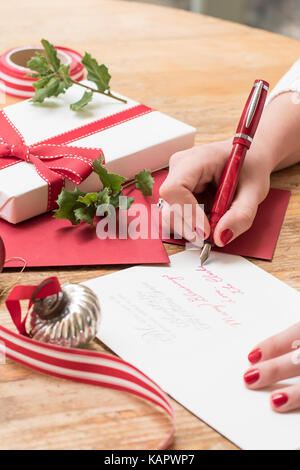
[254, 102]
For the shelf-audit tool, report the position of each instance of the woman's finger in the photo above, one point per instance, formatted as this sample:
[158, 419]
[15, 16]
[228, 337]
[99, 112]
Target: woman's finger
[270, 372]
[190, 172]
[253, 189]
[238, 219]
[174, 222]
[183, 204]
[286, 399]
[277, 345]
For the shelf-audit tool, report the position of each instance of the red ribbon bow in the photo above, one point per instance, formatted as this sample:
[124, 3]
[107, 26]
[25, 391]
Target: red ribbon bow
[53, 162]
[49, 286]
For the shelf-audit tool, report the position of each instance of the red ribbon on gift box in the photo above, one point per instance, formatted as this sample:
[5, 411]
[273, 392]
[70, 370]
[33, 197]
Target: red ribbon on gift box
[52, 158]
[89, 367]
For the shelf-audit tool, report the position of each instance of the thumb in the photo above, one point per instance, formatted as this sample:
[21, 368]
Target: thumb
[239, 218]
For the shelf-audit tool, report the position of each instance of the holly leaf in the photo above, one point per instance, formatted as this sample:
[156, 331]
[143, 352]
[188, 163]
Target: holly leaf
[51, 55]
[114, 200]
[89, 198]
[33, 75]
[84, 100]
[128, 203]
[42, 82]
[67, 203]
[64, 72]
[144, 182]
[97, 73]
[39, 64]
[109, 180]
[60, 89]
[85, 214]
[51, 89]
[103, 197]
[122, 202]
[104, 200]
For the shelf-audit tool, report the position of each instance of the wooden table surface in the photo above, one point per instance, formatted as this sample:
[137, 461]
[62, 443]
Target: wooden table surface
[197, 69]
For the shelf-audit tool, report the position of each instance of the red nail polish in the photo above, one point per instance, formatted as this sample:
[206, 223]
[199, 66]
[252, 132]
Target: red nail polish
[279, 399]
[251, 376]
[226, 236]
[255, 356]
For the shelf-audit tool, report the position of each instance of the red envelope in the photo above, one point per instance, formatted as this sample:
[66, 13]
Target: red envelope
[261, 239]
[45, 241]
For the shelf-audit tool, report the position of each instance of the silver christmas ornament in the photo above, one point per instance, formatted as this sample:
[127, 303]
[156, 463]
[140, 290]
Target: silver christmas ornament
[69, 319]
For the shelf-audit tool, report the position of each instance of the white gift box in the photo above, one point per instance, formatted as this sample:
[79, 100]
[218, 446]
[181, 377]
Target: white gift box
[146, 141]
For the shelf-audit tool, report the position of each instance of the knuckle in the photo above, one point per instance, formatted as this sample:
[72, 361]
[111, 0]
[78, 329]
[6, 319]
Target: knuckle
[201, 152]
[167, 189]
[246, 216]
[273, 371]
[176, 157]
[274, 346]
[189, 154]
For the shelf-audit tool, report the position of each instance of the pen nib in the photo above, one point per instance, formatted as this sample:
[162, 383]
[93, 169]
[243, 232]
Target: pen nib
[205, 253]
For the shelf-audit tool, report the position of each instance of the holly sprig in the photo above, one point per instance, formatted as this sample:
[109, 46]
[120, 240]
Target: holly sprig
[53, 77]
[78, 206]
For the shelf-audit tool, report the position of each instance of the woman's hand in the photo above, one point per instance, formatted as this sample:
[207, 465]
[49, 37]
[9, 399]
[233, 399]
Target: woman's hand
[276, 359]
[190, 172]
[276, 145]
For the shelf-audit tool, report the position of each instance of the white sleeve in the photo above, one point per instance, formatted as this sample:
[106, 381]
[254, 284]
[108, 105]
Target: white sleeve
[289, 82]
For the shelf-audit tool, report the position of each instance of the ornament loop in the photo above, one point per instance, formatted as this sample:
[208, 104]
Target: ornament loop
[49, 307]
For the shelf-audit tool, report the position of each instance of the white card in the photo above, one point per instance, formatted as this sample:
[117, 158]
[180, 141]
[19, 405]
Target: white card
[191, 330]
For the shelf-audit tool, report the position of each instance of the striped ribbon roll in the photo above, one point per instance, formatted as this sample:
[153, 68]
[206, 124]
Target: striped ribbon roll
[13, 69]
[89, 367]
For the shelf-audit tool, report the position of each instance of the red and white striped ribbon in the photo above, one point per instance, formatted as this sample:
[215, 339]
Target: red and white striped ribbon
[89, 367]
[13, 77]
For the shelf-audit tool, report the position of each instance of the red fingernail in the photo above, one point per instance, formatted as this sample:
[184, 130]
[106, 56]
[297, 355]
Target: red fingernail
[251, 376]
[200, 233]
[226, 236]
[255, 356]
[279, 399]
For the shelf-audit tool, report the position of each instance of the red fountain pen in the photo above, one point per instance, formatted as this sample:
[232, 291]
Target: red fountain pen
[241, 144]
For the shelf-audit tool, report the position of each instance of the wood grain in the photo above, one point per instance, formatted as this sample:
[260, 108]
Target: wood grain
[197, 69]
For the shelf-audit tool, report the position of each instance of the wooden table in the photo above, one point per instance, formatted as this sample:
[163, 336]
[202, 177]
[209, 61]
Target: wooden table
[197, 69]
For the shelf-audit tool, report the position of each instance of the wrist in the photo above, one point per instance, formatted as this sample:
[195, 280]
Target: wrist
[277, 141]
[276, 144]
[264, 158]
